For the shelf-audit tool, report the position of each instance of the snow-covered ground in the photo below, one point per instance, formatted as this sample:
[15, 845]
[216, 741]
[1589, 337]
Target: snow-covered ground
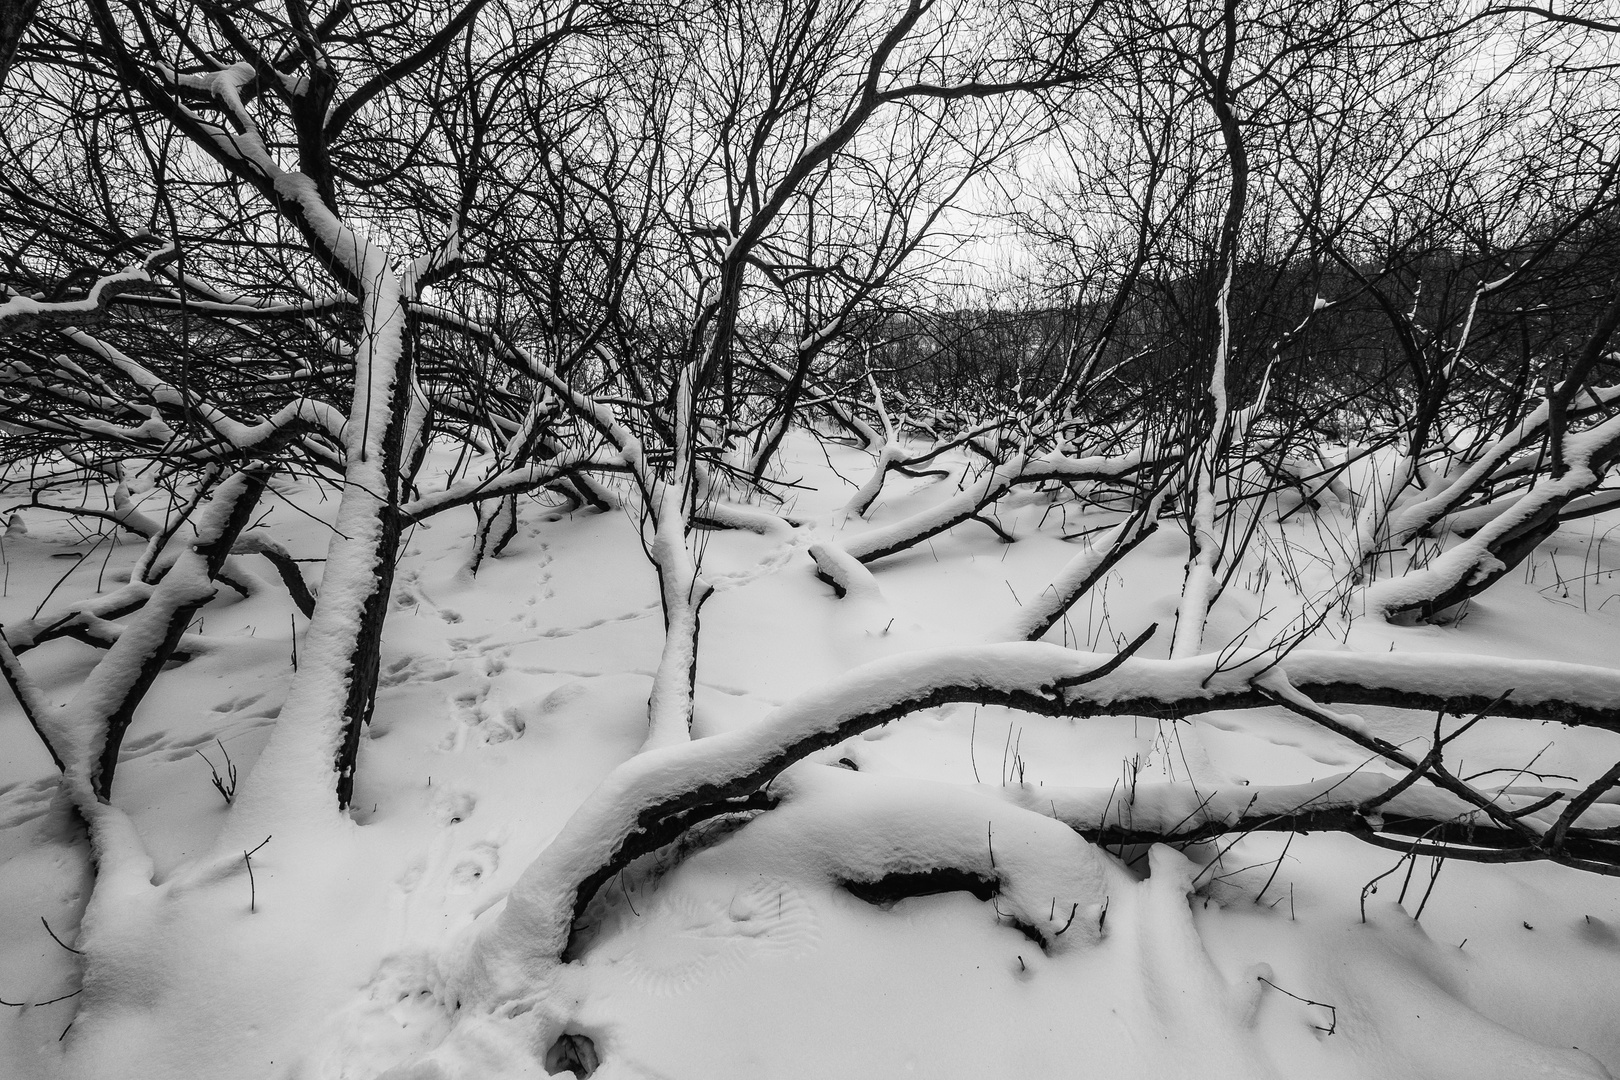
[507, 698]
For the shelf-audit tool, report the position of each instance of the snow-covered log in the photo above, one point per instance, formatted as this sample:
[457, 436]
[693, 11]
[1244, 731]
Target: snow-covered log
[650, 799]
[1375, 807]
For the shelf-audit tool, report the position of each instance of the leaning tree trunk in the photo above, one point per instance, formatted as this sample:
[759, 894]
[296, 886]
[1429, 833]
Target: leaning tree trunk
[84, 737]
[333, 692]
[277, 871]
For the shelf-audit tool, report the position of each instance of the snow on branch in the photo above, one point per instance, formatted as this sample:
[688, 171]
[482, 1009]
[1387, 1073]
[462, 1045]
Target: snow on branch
[1421, 515]
[26, 634]
[1021, 468]
[1083, 571]
[1500, 543]
[21, 312]
[511, 481]
[1375, 807]
[627, 812]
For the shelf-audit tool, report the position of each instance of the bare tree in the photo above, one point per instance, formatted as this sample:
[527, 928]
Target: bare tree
[623, 254]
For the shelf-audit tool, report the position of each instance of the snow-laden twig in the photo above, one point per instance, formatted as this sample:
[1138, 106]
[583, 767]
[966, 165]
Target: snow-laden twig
[18, 312]
[1422, 515]
[1469, 566]
[511, 481]
[1021, 468]
[1359, 803]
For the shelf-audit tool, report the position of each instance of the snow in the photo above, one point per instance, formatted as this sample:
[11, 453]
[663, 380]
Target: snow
[18, 308]
[1470, 562]
[507, 760]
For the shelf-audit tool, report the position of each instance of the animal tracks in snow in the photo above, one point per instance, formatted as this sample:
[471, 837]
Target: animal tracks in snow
[410, 595]
[400, 1015]
[773, 561]
[414, 669]
[646, 611]
[542, 564]
[22, 802]
[474, 866]
[681, 941]
[171, 748]
[480, 722]
[446, 880]
[450, 806]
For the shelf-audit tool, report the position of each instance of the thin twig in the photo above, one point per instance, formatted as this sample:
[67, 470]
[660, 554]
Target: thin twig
[58, 940]
[253, 889]
[1333, 1023]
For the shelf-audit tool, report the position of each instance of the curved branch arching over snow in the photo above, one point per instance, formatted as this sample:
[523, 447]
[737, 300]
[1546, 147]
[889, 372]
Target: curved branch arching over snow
[628, 814]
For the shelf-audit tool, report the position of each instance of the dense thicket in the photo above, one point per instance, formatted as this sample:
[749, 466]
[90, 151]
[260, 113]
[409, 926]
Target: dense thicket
[1169, 258]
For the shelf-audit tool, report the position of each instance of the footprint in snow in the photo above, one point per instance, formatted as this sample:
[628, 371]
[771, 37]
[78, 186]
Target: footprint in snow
[400, 1014]
[412, 877]
[396, 671]
[414, 669]
[474, 867]
[21, 802]
[682, 941]
[481, 722]
[450, 807]
[135, 746]
[465, 644]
